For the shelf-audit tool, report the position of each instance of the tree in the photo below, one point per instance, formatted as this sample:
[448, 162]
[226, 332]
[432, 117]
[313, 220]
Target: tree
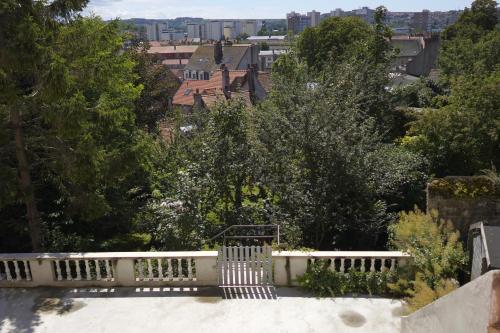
[323, 157]
[461, 138]
[91, 164]
[336, 39]
[159, 86]
[471, 45]
[28, 29]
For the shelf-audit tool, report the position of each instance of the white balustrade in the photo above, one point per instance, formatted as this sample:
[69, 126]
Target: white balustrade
[197, 268]
[171, 268]
[15, 270]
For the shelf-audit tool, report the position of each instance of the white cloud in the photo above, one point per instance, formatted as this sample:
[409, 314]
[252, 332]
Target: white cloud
[161, 9]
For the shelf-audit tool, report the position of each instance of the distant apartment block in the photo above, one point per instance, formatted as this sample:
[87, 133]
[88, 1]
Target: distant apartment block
[297, 22]
[315, 18]
[421, 22]
[195, 31]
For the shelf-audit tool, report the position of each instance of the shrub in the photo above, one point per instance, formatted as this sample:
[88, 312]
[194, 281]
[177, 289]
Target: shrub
[437, 254]
[324, 282]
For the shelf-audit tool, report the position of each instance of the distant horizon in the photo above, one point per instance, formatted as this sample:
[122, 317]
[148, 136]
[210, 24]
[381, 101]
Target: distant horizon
[260, 9]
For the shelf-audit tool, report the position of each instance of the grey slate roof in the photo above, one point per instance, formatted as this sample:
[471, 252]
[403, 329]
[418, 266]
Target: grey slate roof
[203, 58]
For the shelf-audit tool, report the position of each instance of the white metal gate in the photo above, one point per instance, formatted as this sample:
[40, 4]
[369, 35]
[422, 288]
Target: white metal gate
[245, 265]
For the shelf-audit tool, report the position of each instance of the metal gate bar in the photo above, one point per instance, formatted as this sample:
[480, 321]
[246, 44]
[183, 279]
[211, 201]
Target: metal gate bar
[245, 265]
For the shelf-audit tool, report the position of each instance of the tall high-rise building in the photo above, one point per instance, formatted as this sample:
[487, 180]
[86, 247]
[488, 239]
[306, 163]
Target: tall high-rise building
[420, 21]
[297, 22]
[337, 12]
[215, 30]
[315, 18]
[195, 30]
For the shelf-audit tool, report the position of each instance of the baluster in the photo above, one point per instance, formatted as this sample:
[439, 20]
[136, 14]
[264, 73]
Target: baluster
[58, 270]
[372, 264]
[179, 269]
[88, 275]
[382, 265]
[139, 268]
[27, 270]
[150, 269]
[68, 270]
[108, 269]
[77, 268]
[393, 264]
[170, 271]
[16, 269]
[160, 269]
[190, 273]
[97, 269]
[342, 267]
[363, 265]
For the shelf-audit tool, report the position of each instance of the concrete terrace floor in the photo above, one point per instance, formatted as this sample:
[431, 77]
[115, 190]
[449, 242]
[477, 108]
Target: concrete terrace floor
[186, 310]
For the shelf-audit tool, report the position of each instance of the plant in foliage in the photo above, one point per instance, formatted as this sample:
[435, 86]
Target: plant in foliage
[437, 256]
[323, 281]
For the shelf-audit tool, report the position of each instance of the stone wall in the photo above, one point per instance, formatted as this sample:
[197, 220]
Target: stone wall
[464, 201]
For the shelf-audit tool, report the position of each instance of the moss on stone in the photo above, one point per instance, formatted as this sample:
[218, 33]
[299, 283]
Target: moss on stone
[463, 187]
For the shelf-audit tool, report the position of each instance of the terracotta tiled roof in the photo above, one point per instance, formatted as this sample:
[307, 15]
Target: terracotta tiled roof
[209, 89]
[175, 61]
[173, 49]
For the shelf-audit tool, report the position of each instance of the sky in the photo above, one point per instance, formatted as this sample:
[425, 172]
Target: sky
[234, 9]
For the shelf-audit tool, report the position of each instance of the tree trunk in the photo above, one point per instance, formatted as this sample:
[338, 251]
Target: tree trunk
[26, 184]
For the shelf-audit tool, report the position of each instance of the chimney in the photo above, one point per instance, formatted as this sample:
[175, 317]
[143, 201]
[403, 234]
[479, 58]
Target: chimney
[218, 53]
[198, 101]
[226, 82]
[251, 77]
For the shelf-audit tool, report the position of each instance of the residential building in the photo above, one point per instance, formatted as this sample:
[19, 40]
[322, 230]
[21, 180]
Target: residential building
[172, 35]
[154, 31]
[249, 85]
[337, 13]
[421, 22]
[251, 27]
[195, 30]
[215, 30]
[367, 14]
[297, 22]
[174, 56]
[417, 55]
[204, 63]
[267, 58]
[314, 17]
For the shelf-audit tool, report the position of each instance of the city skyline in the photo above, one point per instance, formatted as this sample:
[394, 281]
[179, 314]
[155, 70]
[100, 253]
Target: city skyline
[225, 9]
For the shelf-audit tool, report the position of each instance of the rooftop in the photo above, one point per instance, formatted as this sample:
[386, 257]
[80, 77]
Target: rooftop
[231, 309]
[203, 58]
[172, 49]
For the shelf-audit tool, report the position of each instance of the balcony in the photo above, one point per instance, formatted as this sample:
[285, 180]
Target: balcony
[180, 291]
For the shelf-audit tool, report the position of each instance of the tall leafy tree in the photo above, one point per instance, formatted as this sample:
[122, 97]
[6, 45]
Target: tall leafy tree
[323, 155]
[28, 29]
[90, 164]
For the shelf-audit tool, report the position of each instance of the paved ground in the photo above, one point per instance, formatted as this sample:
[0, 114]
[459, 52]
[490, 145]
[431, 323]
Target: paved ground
[126, 310]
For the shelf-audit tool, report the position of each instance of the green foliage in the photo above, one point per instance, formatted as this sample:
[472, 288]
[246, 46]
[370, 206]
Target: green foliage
[437, 257]
[472, 44]
[461, 138]
[325, 282]
[462, 187]
[321, 151]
